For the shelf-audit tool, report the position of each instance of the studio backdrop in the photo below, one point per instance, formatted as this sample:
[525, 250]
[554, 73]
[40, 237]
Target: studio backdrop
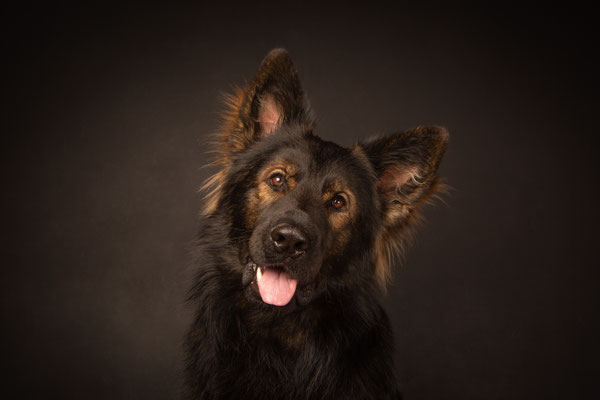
[104, 145]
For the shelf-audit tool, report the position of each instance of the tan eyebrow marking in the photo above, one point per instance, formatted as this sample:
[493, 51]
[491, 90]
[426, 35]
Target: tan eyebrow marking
[340, 221]
[263, 194]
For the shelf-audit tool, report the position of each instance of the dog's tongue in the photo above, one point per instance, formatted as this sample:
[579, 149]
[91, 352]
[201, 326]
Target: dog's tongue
[276, 287]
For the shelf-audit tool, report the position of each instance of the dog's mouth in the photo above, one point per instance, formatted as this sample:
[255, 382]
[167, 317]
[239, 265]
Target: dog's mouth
[275, 285]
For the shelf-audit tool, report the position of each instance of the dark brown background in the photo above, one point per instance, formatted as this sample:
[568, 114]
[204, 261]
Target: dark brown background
[103, 154]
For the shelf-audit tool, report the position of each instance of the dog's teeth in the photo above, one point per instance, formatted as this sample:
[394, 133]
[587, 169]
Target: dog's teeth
[258, 274]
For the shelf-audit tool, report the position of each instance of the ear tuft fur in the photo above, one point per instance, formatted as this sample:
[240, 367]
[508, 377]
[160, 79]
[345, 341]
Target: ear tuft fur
[406, 167]
[393, 239]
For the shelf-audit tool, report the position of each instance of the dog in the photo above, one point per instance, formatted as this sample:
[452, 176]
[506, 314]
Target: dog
[297, 239]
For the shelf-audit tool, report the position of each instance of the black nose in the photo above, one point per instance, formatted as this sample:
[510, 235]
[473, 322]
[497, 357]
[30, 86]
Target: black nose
[289, 239]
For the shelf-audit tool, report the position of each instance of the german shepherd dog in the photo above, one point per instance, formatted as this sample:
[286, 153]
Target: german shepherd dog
[295, 247]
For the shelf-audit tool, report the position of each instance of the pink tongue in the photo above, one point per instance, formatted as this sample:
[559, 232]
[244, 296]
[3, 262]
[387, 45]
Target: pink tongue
[276, 287]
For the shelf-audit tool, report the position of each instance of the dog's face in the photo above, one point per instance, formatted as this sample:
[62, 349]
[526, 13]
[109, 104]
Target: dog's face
[303, 210]
[308, 215]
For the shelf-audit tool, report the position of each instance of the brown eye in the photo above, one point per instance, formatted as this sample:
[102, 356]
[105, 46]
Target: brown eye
[338, 202]
[277, 180]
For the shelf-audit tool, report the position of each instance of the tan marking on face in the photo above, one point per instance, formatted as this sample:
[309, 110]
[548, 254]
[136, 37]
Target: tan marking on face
[290, 169]
[266, 195]
[340, 240]
[339, 221]
[262, 194]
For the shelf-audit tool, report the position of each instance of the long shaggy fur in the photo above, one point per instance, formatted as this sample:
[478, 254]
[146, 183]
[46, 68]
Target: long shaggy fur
[289, 206]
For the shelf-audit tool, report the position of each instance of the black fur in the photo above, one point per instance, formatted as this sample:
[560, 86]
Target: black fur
[333, 339]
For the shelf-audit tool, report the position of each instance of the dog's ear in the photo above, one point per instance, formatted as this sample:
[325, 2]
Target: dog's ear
[273, 98]
[406, 166]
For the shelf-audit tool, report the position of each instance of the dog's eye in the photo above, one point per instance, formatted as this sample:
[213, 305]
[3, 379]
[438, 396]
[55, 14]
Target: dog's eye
[277, 180]
[338, 202]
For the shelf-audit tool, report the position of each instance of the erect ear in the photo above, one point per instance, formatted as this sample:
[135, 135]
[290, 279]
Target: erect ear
[406, 168]
[273, 98]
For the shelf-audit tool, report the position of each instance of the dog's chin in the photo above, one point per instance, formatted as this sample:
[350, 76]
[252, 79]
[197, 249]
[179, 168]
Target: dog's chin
[272, 285]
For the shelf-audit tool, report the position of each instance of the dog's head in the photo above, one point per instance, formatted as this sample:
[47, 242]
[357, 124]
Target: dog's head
[308, 215]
